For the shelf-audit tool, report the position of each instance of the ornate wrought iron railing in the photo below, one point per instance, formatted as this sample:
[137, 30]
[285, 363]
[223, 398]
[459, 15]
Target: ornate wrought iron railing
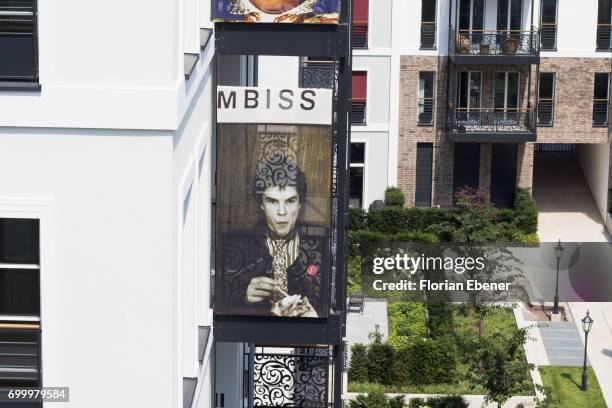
[319, 74]
[360, 34]
[546, 111]
[495, 43]
[428, 35]
[604, 36]
[426, 108]
[600, 112]
[493, 121]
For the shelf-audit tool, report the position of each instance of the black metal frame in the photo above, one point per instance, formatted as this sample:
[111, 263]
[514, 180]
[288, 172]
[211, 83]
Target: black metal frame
[325, 41]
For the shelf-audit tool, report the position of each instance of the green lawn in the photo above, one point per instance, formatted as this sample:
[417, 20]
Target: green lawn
[563, 384]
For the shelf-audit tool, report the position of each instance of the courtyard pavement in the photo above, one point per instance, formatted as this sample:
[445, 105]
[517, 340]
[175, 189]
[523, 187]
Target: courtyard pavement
[562, 344]
[359, 326]
[567, 210]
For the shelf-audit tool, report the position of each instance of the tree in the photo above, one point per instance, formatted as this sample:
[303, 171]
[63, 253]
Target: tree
[503, 369]
[380, 359]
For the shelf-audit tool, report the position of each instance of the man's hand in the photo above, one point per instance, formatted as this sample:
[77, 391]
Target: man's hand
[260, 288]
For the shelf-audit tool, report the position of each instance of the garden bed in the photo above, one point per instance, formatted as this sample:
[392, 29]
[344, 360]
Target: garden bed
[562, 385]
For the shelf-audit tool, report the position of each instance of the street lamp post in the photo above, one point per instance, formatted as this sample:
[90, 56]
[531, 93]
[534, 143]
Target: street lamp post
[558, 254]
[587, 323]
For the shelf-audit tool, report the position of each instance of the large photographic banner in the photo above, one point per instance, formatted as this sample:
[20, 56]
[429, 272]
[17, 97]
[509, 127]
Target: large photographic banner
[274, 167]
[277, 11]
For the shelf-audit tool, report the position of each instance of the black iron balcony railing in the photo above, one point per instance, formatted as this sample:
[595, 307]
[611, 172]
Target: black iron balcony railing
[494, 121]
[426, 108]
[358, 113]
[546, 111]
[548, 36]
[18, 49]
[428, 35]
[360, 34]
[600, 112]
[604, 37]
[492, 43]
[319, 74]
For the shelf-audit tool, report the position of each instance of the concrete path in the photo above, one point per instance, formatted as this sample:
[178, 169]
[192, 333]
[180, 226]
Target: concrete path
[567, 209]
[600, 342]
[359, 326]
[562, 344]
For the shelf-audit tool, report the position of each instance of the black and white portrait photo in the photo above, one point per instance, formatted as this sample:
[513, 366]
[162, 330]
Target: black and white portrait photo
[273, 220]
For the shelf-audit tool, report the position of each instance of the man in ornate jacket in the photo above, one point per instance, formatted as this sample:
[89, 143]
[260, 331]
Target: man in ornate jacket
[280, 267]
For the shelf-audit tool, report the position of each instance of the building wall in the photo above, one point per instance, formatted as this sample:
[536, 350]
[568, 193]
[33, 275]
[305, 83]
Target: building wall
[573, 121]
[594, 160]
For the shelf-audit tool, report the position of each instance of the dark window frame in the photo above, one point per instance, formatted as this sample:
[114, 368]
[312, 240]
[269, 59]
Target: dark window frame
[360, 38]
[428, 37]
[359, 108]
[425, 102]
[547, 103]
[549, 28]
[601, 106]
[20, 41]
[359, 165]
[603, 38]
[424, 148]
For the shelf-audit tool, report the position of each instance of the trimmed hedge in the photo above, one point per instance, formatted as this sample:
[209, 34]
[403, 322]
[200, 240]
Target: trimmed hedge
[425, 362]
[377, 399]
[380, 363]
[394, 197]
[358, 370]
[525, 212]
[450, 401]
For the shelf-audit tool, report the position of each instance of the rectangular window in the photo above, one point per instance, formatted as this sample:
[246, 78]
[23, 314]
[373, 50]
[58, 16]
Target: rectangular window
[506, 98]
[357, 175]
[20, 303]
[426, 97]
[604, 25]
[509, 15]
[360, 93]
[546, 99]
[601, 99]
[548, 25]
[360, 24]
[424, 173]
[469, 97]
[428, 24]
[471, 20]
[18, 41]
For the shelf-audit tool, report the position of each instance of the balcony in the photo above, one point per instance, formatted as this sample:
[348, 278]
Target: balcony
[493, 125]
[494, 47]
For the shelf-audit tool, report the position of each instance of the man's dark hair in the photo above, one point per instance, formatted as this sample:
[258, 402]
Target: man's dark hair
[278, 173]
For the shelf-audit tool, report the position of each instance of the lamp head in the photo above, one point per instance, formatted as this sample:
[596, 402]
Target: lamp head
[587, 322]
[559, 250]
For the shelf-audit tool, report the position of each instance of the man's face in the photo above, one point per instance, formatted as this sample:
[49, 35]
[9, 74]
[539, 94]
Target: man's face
[275, 6]
[281, 207]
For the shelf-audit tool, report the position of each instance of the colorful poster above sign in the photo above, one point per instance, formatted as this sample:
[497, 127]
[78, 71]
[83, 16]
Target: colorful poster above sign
[273, 202]
[277, 11]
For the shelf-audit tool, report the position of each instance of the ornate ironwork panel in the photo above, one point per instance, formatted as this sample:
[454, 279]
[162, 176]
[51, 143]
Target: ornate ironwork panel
[299, 378]
[320, 74]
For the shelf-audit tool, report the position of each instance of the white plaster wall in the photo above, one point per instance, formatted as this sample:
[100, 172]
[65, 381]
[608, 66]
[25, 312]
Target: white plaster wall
[595, 162]
[276, 72]
[107, 308]
[379, 27]
[377, 108]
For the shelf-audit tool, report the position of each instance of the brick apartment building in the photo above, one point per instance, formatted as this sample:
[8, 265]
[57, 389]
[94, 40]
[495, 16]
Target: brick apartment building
[500, 94]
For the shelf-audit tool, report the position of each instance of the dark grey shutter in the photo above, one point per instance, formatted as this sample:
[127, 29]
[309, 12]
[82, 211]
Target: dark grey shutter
[424, 163]
[466, 169]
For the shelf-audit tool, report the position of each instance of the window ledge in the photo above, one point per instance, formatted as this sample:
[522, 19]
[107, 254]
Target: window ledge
[545, 125]
[190, 63]
[19, 86]
[425, 124]
[603, 49]
[428, 48]
[600, 125]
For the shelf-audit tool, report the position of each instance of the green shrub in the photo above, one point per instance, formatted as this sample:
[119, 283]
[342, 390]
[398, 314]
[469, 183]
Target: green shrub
[354, 274]
[372, 400]
[394, 197]
[357, 219]
[424, 362]
[525, 212]
[406, 322]
[380, 362]
[389, 220]
[450, 401]
[358, 370]
[397, 402]
[523, 239]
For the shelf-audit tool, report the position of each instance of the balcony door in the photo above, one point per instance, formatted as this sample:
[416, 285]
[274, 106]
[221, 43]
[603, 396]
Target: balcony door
[506, 97]
[469, 97]
[471, 19]
[509, 16]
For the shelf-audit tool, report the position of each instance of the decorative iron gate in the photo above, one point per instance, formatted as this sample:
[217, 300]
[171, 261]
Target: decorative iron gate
[296, 378]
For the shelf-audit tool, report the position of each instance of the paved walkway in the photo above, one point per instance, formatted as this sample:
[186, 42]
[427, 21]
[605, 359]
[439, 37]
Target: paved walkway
[562, 344]
[567, 209]
[359, 326]
[600, 342]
